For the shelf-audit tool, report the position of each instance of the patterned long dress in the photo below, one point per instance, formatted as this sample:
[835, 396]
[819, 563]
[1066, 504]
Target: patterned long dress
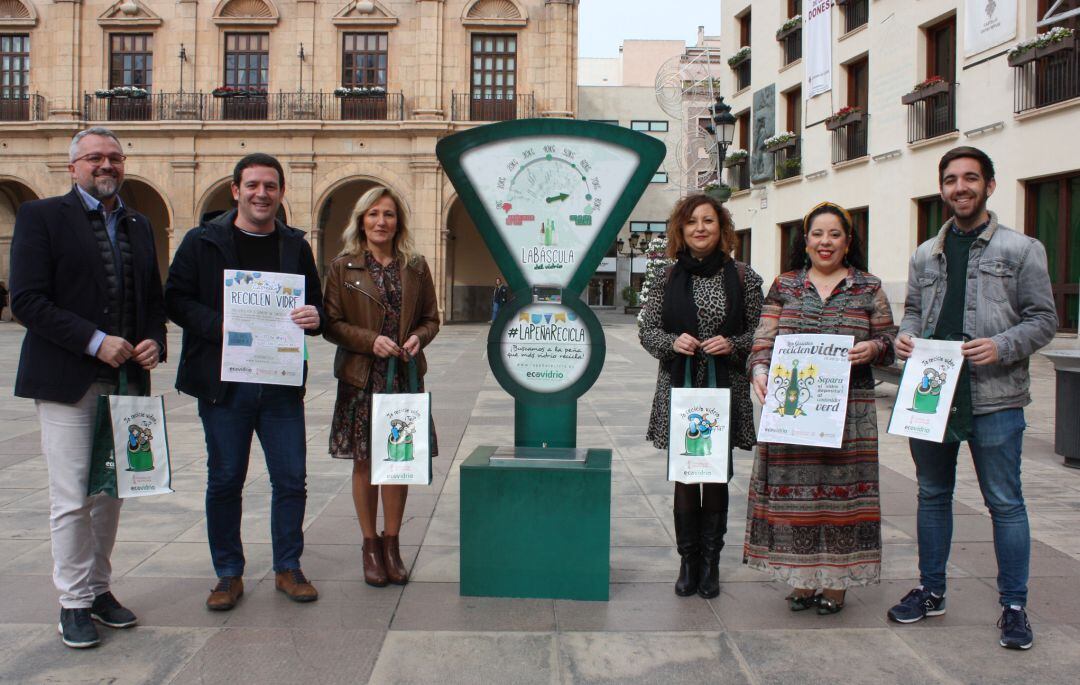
[814, 513]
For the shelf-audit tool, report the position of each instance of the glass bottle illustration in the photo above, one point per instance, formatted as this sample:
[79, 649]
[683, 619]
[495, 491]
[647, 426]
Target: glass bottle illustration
[791, 396]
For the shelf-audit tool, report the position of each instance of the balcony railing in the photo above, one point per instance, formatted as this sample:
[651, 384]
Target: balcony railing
[792, 47]
[849, 140]
[788, 160]
[264, 107]
[738, 176]
[1052, 76]
[29, 107]
[931, 112]
[742, 75]
[467, 107]
[856, 13]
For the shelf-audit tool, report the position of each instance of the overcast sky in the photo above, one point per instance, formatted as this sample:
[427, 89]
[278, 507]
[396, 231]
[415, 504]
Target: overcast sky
[604, 24]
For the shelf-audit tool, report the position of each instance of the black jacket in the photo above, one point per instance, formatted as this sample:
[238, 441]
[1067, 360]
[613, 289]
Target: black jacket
[195, 289]
[59, 292]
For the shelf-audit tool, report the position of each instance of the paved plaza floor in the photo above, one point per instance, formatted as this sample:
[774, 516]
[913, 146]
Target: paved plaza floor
[427, 633]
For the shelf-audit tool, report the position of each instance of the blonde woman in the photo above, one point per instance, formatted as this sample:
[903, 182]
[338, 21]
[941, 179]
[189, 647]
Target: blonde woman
[380, 303]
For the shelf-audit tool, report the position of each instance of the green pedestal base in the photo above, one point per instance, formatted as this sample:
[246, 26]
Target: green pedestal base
[539, 530]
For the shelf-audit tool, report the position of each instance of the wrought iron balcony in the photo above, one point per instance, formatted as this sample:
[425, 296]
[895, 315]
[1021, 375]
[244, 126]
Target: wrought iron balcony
[1046, 75]
[469, 107]
[28, 107]
[931, 111]
[248, 106]
[849, 136]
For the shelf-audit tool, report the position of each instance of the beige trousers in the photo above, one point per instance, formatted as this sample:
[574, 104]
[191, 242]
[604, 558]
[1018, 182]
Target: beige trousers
[83, 528]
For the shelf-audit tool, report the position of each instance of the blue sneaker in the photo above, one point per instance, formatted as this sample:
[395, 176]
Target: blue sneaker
[917, 605]
[1015, 628]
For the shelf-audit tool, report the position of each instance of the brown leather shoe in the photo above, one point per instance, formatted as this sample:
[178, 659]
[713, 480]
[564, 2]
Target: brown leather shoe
[226, 594]
[295, 586]
[374, 567]
[396, 572]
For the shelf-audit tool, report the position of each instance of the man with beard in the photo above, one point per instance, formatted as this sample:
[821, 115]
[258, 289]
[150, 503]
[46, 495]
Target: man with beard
[85, 283]
[987, 285]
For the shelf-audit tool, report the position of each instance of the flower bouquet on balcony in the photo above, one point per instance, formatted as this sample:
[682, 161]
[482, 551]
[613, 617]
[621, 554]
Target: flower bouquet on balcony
[132, 92]
[1054, 40]
[781, 141]
[236, 92]
[735, 157]
[789, 27]
[739, 57]
[844, 116]
[927, 88]
[359, 92]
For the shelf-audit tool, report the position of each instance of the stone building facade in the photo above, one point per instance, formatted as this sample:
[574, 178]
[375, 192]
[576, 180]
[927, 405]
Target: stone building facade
[190, 87]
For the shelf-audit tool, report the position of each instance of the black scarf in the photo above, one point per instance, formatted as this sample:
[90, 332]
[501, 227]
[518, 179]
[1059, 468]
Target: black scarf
[680, 312]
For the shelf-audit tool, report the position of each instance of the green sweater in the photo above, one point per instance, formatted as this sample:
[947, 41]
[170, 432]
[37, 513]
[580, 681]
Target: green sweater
[951, 327]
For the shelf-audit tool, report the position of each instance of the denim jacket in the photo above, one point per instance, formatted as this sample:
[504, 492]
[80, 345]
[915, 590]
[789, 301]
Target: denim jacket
[1008, 300]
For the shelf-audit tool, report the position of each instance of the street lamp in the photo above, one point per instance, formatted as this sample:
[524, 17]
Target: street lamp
[300, 55]
[183, 58]
[634, 243]
[724, 129]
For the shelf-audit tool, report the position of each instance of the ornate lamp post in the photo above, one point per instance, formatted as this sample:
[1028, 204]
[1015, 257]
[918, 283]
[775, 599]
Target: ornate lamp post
[633, 243]
[183, 58]
[300, 55]
[724, 130]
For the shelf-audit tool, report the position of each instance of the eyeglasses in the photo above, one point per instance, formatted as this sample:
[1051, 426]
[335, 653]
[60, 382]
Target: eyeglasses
[96, 159]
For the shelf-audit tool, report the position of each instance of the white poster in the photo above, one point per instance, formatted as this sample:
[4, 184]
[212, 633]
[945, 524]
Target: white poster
[141, 448]
[988, 23]
[260, 342]
[546, 347]
[806, 399]
[698, 435]
[926, 390]
[817, 47]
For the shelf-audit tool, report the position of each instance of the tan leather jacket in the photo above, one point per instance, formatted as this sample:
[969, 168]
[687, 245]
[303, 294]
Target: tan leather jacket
[355, 313]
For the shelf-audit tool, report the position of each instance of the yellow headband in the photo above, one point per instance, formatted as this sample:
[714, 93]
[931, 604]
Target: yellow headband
[844, 212]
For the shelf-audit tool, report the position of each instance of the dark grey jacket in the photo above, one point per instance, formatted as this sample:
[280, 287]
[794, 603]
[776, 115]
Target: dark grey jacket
[1008, 300]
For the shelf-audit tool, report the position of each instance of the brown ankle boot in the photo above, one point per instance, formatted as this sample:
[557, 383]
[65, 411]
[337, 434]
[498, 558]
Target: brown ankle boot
[295, 586]
[374, 566]
[395, 567]
[226, 593]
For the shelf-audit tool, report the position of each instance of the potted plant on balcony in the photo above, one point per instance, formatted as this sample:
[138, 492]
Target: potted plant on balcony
[779, 142]
[359, 92]
[739, 57]
[236, 92]
[721, 192]
[792, 166]
[735, 158]
[934, 85]
[844, 116]
[131, 92]
[789, 27]
[1055, 40]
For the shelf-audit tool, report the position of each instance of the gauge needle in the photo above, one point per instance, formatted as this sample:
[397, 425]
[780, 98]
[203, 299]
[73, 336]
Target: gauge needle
[558, 198]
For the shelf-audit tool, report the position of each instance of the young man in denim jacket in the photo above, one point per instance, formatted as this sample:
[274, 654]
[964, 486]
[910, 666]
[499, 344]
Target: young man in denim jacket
[988, 285]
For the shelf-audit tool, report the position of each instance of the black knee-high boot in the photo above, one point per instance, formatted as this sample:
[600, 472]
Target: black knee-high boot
[713, 527]
[688, 542]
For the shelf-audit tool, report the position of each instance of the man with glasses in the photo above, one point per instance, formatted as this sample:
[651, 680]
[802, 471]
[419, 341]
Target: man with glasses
[986, 284]
[85, 283]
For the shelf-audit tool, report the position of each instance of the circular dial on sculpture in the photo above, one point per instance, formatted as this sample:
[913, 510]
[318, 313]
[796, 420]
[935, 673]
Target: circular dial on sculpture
[545, 347]
[548, 196]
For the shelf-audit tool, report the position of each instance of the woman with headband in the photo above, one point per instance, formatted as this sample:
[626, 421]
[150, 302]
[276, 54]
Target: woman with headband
[814, 515]
[706, 304]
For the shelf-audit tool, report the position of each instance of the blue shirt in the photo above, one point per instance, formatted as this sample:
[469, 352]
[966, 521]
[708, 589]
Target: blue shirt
[111, 218]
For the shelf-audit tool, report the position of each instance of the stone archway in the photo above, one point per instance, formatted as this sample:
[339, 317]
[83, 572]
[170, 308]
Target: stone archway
[219, 200]
[334, 214]
[470, 270]
[12, 194]
[146, 200]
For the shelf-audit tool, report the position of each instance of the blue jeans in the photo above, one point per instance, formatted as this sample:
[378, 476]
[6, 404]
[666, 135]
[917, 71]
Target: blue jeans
[276, 414]
[995, 449]
[494, 309]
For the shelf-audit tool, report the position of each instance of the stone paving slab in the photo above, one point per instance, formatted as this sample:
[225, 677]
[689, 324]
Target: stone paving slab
[426, 632]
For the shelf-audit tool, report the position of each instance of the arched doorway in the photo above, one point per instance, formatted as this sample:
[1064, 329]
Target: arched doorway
[334, 215]
[220, 200]
[12, 194]
[144, 199]
[470, 271]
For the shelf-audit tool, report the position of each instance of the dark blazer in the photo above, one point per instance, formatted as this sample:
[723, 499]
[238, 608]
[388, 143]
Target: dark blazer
[194, 292]
[59, 292]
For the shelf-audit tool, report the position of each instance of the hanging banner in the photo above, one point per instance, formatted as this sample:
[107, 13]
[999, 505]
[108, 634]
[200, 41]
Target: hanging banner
[806, 399]
[987, 24]
[926, 390]
[817, 47]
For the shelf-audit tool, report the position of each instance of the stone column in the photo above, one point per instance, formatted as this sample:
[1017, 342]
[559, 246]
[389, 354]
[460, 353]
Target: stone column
[182, 198]
[65, 93]
[428, 87]
[559, 98]
[427, 209]
[299, 182]
[183, 33]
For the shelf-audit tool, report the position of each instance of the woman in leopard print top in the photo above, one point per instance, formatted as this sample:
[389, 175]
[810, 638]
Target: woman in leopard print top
[705, 304]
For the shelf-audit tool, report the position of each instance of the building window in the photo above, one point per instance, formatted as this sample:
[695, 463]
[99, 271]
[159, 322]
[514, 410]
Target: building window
[648, 226]
[933, 213]
[791, 43]
[1049, 75]
[860, 219]
[659, 177]
[652, 126]
[363, 60]
[14, 67]
[788, 160]
[742, 128]
[744, 29]
[856, 13]
[793, 101]
[131, 60]
[742, 71]
[850, 139]
[742, 246]
[247, 61]
[494, 77]
[931, 110]
[1053, 217]
[788, 231]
